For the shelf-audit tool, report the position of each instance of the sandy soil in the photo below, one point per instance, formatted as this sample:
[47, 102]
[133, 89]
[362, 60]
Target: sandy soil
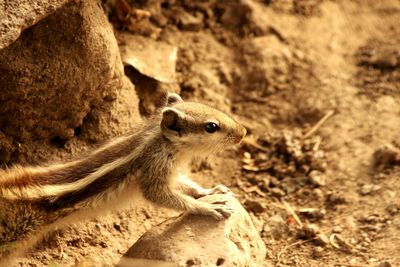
[279, 67]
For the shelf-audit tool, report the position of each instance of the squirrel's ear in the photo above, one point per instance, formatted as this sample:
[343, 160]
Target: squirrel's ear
[173, 98]
[171, 121]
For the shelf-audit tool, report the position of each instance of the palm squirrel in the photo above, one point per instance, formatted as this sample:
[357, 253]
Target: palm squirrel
[148, 161]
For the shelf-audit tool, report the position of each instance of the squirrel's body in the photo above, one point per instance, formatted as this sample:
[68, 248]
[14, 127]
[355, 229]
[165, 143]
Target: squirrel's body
[146, 161]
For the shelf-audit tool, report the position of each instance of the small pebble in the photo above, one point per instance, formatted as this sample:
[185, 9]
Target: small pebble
[317, 178]
[353, 261]
[308, 231]
[322, 240]
[384, 264]
[277, 192]
[393, 209]
[254, 206]
[189, 22]
[368, 189]
[318, 193]
[337, 229]
[274, 181]
[317, 252]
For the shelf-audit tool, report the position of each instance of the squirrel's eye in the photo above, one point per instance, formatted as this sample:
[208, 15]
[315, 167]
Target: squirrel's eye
[211, 127]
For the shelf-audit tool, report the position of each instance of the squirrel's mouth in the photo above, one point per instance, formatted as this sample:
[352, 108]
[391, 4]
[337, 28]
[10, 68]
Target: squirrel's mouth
[235, 139]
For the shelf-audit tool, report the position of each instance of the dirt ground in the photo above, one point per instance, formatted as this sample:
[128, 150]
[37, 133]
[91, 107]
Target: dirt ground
[319, 193]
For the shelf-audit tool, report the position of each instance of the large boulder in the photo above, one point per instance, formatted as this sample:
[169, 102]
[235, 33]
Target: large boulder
[195, 240]
[17, 15]
[61, 79]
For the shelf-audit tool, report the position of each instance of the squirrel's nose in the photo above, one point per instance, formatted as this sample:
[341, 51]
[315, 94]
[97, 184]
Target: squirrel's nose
[240, 134]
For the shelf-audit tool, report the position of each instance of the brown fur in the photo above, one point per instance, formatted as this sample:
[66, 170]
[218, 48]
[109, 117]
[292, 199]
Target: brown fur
[149, 158]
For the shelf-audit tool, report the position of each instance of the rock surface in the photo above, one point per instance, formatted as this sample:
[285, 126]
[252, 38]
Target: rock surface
[63, 73]
[150, 65]
[195, 240]
[17, 16]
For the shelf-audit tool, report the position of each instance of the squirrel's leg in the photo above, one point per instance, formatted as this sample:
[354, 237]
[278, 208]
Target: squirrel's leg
[191, 188]
[163, 195]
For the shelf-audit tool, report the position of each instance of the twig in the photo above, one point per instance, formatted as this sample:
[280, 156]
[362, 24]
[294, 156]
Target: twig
[251, 142]
[292, 245]
[292, 212]
[318, 124]
[254, 188]
[349, 265]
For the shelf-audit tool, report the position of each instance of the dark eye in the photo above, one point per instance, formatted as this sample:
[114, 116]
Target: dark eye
[211, 127]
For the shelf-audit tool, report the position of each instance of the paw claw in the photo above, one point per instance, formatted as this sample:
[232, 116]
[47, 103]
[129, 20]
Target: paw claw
[217, 210]
[220, 189]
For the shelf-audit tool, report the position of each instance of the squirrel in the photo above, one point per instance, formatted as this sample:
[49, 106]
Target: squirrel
[148, 161]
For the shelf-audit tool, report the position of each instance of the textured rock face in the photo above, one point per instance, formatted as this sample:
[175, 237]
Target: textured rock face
[194, 240]
[63, 71]
[17, 15]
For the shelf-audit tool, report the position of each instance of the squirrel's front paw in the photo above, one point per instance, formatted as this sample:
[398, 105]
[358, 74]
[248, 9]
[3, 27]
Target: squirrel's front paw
[219, 189]
[219, 210]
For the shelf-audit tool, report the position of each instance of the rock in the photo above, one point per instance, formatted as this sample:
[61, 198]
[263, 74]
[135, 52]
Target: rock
[318, 194]
[150, 65]
[384, 264]
[275, 227]
[317, 178]
[308, 231]
[277, 192]
[64, 78]
[313, 214]
[18, 15]
[393, 208]
[188, 22]
[254, 206]
[317, 252]
[151, 58]
[195, 240]
[337, 229]
[369, 189]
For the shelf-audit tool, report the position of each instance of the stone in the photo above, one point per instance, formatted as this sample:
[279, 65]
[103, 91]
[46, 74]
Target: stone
[384, 264]
[61, 79]
[188, 22]
[196, 240]
[254, 206]
[308, 231]
[150, 65]
[317, 252]
[18, 15]
[367, 189]
[317, 178]
[153, 59]
[337, 229]
[275, 227]
[277, 192]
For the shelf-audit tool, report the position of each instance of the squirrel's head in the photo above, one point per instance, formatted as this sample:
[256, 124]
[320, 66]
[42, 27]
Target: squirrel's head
[198, 128]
